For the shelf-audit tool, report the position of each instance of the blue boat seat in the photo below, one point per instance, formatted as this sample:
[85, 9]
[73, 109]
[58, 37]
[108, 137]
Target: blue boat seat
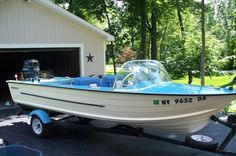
[108, 80]
[86, 81]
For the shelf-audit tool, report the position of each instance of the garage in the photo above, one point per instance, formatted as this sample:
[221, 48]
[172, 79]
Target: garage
[53, 62]
[64, 44]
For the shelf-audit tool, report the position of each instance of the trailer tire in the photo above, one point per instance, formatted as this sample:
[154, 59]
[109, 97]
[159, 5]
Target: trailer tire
[231, 119]
[3, 143]
[201, 142]
[39, 128]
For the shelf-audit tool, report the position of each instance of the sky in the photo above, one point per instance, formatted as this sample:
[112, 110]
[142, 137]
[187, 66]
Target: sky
[206, 1]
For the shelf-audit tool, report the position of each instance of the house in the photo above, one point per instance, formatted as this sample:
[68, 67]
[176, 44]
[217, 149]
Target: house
[62, 42]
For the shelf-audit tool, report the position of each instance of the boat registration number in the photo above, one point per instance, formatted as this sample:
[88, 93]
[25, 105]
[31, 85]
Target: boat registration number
[179, 100]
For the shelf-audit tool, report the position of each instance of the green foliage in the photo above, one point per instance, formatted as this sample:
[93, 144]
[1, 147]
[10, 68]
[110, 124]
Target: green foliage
[231, 108]
[177, 34]
[188, 59]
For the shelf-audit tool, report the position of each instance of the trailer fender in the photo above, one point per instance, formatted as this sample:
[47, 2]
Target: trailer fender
[44, 117]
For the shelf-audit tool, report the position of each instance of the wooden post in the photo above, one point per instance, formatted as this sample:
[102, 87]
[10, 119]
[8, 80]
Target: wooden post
[190, 77]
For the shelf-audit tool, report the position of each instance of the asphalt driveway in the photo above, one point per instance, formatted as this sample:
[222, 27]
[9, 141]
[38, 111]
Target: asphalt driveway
[71, 141]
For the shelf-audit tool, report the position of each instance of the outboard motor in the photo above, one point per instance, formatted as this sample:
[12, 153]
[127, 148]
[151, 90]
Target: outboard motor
[31, 70]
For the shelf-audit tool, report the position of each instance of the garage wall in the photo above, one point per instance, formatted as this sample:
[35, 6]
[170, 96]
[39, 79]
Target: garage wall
[31, 23]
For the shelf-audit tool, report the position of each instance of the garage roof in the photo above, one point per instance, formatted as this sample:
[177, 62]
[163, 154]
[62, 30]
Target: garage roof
[67, 14]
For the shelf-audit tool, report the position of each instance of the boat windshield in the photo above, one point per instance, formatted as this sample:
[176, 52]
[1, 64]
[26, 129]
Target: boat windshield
[140, 74]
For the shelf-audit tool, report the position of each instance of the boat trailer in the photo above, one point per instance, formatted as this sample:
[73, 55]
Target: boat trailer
[201, 142]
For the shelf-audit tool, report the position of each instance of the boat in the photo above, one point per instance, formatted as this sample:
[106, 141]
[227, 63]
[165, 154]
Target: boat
[142, 94]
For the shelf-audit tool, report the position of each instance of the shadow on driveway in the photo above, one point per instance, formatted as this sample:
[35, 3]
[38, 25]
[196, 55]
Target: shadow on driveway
[76, 142]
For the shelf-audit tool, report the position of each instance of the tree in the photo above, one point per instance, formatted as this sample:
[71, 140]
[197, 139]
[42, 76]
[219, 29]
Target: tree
[168, 30]
[103, 11]
[222, 24]
[153, 28]
[142, 7]
[181, 25]
[153, 32]
[202, 69]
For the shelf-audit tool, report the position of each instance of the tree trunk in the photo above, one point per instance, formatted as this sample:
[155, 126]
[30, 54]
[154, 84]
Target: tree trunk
[70, 6]
[112, 44]
[132, 39]
[113, 57]
[190, 77]
[202, 72]
[162, 42]
[154, 35]
[180, 18]
[229, 51]
[142, 53]
[228, 38]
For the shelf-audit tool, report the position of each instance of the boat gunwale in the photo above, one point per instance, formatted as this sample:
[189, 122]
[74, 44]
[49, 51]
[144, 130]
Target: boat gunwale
[120, 92]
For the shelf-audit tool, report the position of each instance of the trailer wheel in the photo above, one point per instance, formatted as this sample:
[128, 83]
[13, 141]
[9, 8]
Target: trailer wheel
[3, 143]
[201, 142]
[38, 127]
[231, 119]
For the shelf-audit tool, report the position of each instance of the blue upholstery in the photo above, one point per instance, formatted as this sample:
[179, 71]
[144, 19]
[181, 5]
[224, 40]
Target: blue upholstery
[86, 81]
[108, 80]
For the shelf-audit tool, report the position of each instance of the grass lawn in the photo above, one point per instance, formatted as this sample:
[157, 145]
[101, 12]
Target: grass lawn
[215, 81]
[109, 69]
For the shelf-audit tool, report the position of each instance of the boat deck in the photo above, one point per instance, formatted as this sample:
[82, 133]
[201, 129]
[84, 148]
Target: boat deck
[147, 88]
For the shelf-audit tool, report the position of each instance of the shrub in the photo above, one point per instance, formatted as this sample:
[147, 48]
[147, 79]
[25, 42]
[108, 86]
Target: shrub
[126, 55]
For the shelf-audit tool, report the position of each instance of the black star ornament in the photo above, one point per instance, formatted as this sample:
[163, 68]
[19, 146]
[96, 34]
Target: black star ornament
[90, 58]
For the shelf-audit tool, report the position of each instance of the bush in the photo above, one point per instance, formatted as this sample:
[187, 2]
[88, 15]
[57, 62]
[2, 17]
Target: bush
[127, 55]
[188, 58]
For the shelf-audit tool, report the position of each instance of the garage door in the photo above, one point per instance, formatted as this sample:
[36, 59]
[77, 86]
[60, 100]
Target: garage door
[57, 61]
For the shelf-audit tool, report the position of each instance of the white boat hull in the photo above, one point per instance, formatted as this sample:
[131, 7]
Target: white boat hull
[174, 113]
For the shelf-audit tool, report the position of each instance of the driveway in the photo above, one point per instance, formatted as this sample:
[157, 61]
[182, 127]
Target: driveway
[72, 141]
